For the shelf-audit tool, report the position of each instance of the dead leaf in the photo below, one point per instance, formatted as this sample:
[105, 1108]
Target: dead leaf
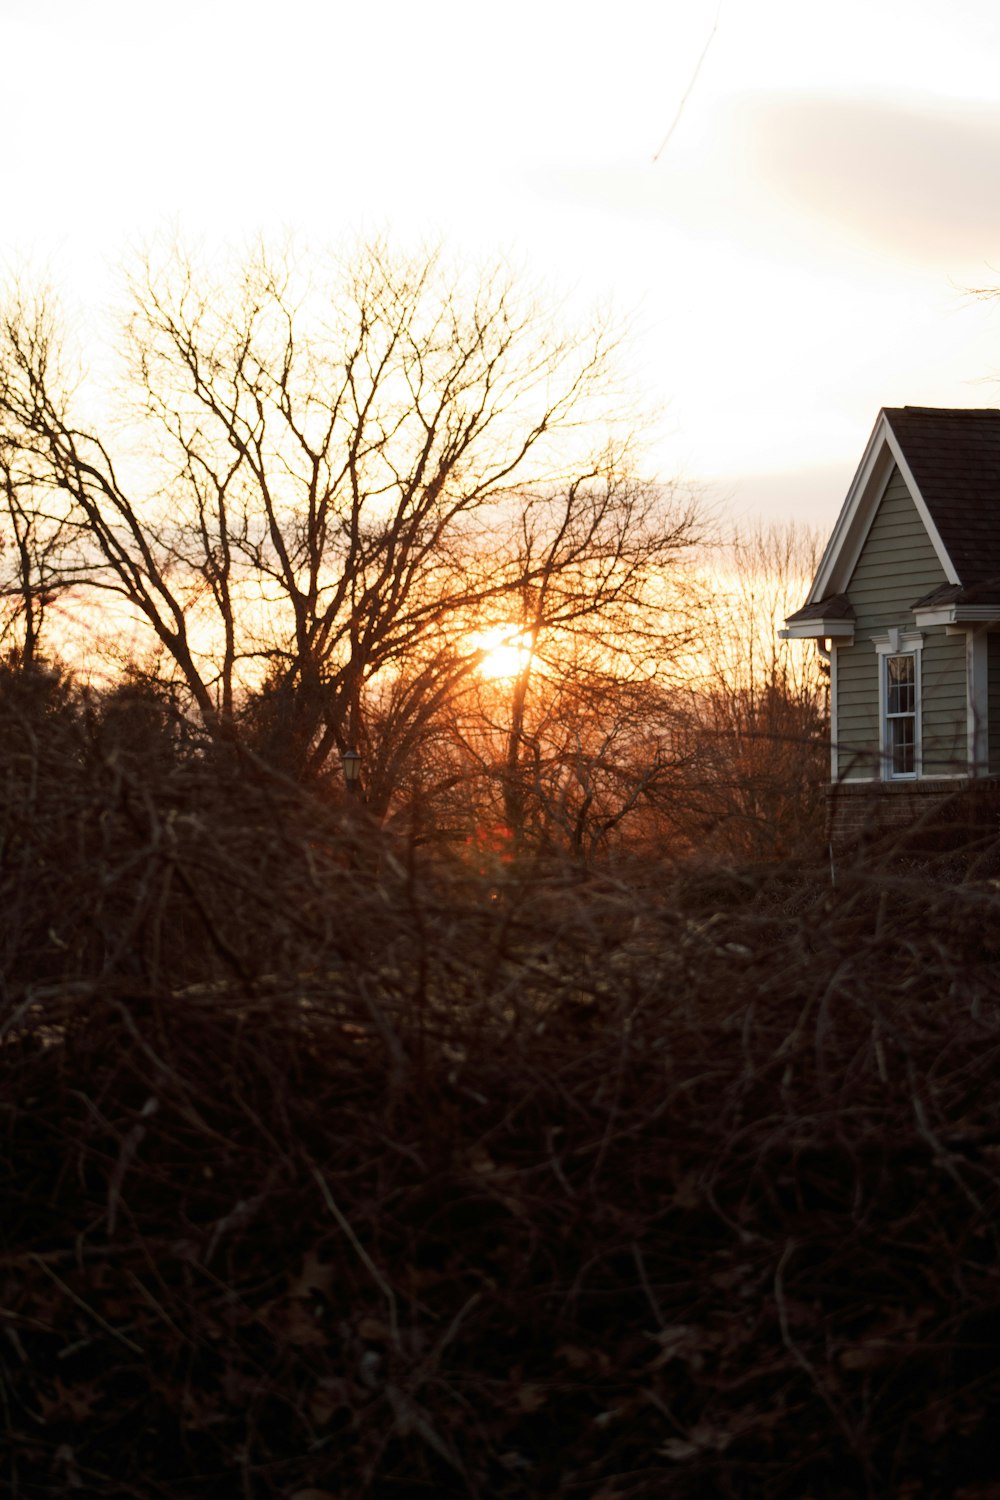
[291, 1321]
[575, 1357]
[678, 1450]
[530, 1398]
[74, 1401]
[315, 1276]
[323, 1405]
[679, 1341]
[373, 1331]
[701, 1439]
[865, 1356]
[687, 1191]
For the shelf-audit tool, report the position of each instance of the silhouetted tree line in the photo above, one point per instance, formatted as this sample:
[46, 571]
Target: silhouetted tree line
[316, 495]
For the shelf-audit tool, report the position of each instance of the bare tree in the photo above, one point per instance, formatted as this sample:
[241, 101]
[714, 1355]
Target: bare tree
[567, 743]
[33, 534]
[320, 484]
[752, 723]
[569, 765]
[757, 577]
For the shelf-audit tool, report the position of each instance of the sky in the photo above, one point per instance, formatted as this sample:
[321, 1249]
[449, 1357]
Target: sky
[791, 205]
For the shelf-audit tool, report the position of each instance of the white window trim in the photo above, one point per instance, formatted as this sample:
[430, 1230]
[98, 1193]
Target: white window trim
[897, 642]
[977, 668]
[829, 655]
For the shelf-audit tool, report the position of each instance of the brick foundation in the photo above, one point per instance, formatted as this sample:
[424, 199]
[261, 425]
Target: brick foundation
[929, 810]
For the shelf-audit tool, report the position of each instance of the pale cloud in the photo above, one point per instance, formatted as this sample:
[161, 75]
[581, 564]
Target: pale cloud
[922, 183]
[811, 494]
[814, 176]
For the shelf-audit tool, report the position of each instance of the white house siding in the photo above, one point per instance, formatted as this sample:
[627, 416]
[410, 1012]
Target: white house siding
[897, 565]
[857, 712]
[945, 714]
[993, 680]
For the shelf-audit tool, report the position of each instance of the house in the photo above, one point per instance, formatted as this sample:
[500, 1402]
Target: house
[906, 607]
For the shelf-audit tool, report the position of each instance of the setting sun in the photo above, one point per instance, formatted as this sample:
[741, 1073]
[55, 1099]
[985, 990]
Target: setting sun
[505, 652]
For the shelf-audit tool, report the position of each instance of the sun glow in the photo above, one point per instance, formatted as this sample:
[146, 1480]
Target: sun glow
[505, 652]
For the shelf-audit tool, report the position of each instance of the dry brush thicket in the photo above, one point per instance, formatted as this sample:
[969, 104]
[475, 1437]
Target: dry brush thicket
[335, 1168]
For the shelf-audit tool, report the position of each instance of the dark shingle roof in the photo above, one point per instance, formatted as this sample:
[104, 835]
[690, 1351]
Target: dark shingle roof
[954, 456]
[835, 607]
[986, 592]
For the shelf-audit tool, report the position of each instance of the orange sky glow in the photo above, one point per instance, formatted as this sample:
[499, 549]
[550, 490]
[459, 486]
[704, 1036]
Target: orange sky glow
[798, 255]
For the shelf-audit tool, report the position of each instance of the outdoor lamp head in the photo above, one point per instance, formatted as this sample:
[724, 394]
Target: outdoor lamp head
[351, 762]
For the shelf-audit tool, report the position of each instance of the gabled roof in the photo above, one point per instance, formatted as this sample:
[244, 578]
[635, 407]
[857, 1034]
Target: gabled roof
[954, 458]
[950, 460]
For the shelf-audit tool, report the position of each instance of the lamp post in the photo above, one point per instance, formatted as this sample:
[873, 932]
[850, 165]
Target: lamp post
[351, 762]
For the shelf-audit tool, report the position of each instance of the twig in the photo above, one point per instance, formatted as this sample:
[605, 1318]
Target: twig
[796, 1352]
[687, 92]
[362, 1254]
[640, 1266]
[90, 1311]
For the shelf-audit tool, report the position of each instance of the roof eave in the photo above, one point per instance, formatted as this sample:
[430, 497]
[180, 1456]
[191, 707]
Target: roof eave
[841, 631]
[956, 614]
[858, 511]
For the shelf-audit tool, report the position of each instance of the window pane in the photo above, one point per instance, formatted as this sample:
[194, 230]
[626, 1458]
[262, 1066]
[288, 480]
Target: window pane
[901, 745]
[902, 685]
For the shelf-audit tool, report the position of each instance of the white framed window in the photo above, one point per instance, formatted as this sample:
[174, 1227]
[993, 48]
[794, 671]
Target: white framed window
[899, 704]
[900, 747]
